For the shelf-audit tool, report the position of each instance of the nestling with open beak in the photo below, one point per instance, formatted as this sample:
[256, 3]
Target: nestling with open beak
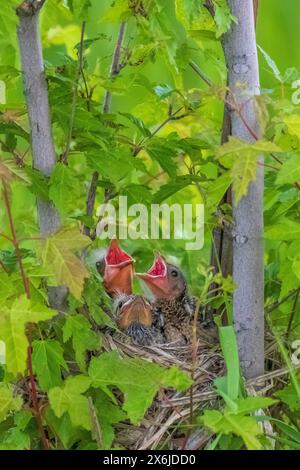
[173, 308]
[133, 312]
[116, 269]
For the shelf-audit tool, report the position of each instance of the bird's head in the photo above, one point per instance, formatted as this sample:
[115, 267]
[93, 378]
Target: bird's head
[165, 280]
[132, 309]
[116, 269]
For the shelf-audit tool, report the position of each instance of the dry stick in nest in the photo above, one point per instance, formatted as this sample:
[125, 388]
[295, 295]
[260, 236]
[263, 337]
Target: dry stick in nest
[114, 71]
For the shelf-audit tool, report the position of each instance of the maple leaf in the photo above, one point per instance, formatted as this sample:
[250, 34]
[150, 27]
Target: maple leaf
[69, 399]
[67, 268]
[12, 330]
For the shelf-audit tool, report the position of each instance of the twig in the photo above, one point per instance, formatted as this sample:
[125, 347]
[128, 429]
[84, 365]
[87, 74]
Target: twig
[194, 347]
[75, 92]
[15, 242]
[293, 313]
[96, 429]
[14, 237]
[114, 71]
[199, 72]
[90, 201]
[3, 267]
[34, 398]
[115, 65]
[172, 117]
[276, 304]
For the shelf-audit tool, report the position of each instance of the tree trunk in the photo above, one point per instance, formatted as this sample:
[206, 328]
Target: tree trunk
[221, 252]
[248, 300]
[35, 87]
[36, 92]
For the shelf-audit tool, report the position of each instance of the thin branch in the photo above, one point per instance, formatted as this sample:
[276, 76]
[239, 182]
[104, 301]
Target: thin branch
[15, 241]
[14, 237]
[96, 428]
[277, 303]
[3, 267]
[115, 65]
[90, 201]
[75, 93]
[293, 314]
[34, 398]
[172, 117]
[114, 71]
[199, 72]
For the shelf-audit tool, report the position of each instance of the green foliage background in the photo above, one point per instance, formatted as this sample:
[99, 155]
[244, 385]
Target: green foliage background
[182, 162]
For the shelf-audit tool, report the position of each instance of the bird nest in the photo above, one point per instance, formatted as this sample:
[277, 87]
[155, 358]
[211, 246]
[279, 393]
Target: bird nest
[172, 410]
[166, 423]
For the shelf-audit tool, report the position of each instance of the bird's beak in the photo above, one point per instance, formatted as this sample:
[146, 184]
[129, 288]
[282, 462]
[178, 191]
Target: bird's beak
[157, 278]
[137, 311]
[118, 270]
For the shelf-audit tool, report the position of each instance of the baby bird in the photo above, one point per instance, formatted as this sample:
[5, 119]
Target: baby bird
[116, 269]
[173, 308]
[134, 318]
[132, 312]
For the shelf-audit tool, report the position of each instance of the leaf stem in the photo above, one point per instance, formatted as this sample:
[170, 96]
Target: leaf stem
[15, 240]
[75, 92]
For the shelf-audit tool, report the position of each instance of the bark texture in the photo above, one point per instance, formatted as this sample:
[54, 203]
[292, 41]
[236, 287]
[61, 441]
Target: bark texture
[36, 92]
[243, 79]
[35, 87]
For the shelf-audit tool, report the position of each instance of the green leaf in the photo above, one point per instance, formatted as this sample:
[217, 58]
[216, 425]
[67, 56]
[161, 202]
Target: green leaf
[79, 8]
[139, 124]
[231, 355]
[63, 428]
[243, 172]
[251, 404]
[272, 64]
[171, 188]
[293, 124]
[222, 17]
[84, 339]
[285, 230]
[12, 330]
[138, 379]
[15, 439]
[108, 414]
[67, 268]
[290, 397]
[290, 170]
[47, 361]
[69, 399]
[61, 187]
[227, 423]
[8, 401]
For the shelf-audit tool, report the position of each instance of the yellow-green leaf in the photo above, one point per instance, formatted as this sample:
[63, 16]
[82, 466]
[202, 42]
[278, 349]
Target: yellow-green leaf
[69, 399]
[12, 330]
[243, 173]
[8, 402]
[67, 268]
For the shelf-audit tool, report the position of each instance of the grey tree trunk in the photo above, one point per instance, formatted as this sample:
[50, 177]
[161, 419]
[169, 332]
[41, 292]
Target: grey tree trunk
[248, 302]
[35, 87]
[36, 92]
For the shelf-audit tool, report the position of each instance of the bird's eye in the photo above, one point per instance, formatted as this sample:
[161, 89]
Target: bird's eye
[174, 273]
[120, 304]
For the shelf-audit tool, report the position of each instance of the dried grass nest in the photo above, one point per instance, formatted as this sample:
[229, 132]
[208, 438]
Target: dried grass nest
[171, 409]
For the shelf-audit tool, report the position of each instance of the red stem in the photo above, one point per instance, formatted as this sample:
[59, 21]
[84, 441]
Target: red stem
[33, 390]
